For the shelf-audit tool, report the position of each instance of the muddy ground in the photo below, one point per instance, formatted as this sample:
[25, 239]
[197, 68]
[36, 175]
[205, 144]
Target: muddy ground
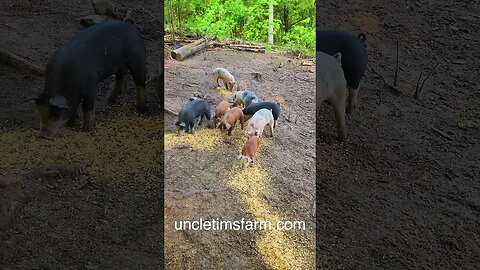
[397, 194]
[204, 179]
[106, 216]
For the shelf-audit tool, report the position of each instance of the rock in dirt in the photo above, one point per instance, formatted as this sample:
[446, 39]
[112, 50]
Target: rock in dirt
[54, 170]
[7, 211]
[103, 7]
[92, 20]
[9, 180]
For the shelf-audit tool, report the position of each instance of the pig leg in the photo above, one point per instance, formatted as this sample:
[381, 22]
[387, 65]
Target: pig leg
[88, 105]
[352, 99]
[231, 128]
[271, 127]
[73, 117]
[242, 122]
[138, 71]
[192, 127]
[117, 86]
[201, 121]
[141, 99]
[249, 161]
[339, 108]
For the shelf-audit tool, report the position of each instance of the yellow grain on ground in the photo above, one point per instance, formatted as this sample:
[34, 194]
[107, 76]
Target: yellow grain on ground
[227, 95]
[204, 139]
[277, 250]
[125, 147]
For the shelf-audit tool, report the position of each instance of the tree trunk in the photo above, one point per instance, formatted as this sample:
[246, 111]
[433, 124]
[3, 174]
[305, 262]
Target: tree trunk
[170, 14]
[270, 23]
[285, 19]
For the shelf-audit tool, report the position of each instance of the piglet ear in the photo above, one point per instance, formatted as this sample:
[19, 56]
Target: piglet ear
[227, 125]
[59, 102]
[338, 57]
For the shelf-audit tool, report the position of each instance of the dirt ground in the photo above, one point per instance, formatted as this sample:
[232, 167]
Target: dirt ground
[110, 214]
[204, 179]
[397, 194]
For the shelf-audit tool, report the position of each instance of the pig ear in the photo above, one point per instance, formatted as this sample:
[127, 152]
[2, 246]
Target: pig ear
[227, 125]
[338, 57]
[182, 124]
[362, 37]
[59, 102]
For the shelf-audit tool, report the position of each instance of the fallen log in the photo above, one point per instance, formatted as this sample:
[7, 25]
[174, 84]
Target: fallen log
[246, 46]
[238, 45]
[182, 40]
[170, 112]
[19, 63]
[190, 49]
[246, 49]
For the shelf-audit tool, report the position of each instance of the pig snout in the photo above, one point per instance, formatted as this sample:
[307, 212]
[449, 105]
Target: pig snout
[52, 129]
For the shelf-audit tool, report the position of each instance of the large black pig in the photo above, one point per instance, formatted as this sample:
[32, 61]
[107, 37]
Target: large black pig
[74, 71]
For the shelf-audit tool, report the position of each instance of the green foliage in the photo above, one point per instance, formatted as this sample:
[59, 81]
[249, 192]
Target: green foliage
[294, 20]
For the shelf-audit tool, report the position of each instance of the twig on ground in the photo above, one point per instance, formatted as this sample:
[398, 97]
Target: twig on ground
[418, 89]
[391, 87]
[187, 193]
[20, 63]
[170, 112]
[396, 70]
[443, 134]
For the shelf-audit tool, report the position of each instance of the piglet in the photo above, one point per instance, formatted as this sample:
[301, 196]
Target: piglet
[221, 110]
[225, 76]
[258, 122]
[331, 85]
[230, 119]
[250, 149]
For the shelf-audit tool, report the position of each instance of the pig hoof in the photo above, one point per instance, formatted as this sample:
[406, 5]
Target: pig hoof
[44, 136]
[89, 129]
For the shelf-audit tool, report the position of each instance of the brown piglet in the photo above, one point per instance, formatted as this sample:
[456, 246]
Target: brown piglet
[221, 110]
[250, 149]
[230, 119]
[242, 85]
